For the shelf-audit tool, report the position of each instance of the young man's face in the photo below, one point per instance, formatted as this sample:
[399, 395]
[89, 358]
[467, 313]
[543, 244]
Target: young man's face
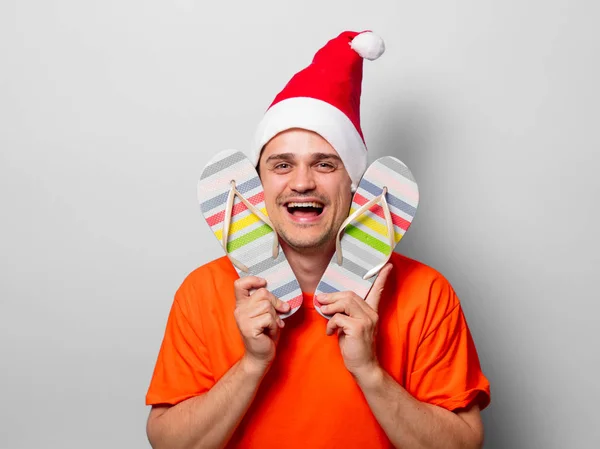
[307, 188]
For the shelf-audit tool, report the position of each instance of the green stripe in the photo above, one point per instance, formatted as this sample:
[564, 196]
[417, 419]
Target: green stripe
[367, 239]
[247, 238]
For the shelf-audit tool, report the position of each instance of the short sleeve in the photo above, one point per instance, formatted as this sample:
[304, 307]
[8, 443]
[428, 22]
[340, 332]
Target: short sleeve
[183, 367]
[447, 372]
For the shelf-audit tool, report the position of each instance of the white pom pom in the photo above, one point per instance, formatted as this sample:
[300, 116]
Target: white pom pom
[368, 45]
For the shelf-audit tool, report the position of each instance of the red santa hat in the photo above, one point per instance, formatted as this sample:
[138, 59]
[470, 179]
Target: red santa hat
[325, 98]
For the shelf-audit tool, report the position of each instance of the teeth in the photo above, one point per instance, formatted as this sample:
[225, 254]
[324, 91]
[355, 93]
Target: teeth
[308, 204]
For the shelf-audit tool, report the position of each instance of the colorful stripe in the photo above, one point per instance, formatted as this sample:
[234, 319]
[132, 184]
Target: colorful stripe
[236, 226]
[296, 301]
[250, 240]
[247, 238]
[373, 242]
[378, 210]
[221, 180]
[366, 256]
[397, 167]
[365, 241]
[379, 228]
[222, 164]
[286, 289]
[324, 287]
[221, 200]
[278, 275]
[237, 209]
[338, 276]
[401, 186]
[266, 264]
[391, 199]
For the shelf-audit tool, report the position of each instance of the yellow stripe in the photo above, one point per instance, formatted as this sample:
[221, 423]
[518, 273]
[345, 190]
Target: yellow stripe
[379, 228]
[240, 224]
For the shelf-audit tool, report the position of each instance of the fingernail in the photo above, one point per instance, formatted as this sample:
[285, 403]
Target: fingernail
[287, 306]
[324, 309]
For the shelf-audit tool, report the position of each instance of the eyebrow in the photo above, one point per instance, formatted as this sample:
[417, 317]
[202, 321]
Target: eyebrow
[292, 156]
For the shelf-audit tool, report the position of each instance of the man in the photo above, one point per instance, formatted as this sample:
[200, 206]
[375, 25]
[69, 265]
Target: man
[396, 369]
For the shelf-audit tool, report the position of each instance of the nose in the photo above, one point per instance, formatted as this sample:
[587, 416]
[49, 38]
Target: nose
[302, 180]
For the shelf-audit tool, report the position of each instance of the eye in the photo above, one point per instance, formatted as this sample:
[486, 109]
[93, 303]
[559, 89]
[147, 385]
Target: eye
[282, 167]
[325, 166]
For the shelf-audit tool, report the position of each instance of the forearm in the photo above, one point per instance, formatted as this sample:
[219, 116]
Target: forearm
[208, 420]
[410, 423]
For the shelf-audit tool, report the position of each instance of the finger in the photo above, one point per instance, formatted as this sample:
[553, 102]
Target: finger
[356, 307]
[265, 323]
[262, 307]
[279, 321]
[375, 294]
[277, 303]
[256, 308]
[245, 285]
[328, 298]
[347, 303]
[338, 321]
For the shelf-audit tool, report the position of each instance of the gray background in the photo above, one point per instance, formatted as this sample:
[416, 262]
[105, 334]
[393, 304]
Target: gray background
[109, 110]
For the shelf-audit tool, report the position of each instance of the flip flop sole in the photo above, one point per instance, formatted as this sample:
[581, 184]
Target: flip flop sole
[249, 240]
[365, 242]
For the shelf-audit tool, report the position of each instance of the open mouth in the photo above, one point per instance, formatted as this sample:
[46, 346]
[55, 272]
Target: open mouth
[308, 209]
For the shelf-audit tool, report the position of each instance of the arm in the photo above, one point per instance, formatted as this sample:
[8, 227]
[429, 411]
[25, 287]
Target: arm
[210, 419]
[408, 422]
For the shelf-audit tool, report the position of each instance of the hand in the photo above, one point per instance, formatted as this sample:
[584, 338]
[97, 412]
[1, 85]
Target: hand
[355, 321]
[256, 317]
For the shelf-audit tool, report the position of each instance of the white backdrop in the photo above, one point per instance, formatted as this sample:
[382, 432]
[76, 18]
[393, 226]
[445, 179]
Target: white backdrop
[109, 110]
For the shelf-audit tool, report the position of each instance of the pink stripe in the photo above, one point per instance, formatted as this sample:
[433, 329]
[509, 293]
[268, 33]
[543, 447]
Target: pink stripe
[241, 172]
[384, 177]
[342, 279]
[377, 210]
[282, 275]
[295, 302]
[237, 209]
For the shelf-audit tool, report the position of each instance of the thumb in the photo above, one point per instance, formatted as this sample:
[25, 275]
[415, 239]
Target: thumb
[374, 295]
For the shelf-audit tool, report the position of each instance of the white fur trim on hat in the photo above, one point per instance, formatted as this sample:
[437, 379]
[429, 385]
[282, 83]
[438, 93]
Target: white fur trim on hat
[320, 117]
[368, 45]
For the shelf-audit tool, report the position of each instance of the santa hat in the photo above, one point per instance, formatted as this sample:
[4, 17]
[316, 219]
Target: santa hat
[325, 98]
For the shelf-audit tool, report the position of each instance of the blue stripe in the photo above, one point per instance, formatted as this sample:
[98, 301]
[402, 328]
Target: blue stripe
[394, 201]
[286, 289]
[326, 288]
[222, 198]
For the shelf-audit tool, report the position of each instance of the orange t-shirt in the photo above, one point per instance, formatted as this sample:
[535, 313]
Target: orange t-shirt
[308, 399]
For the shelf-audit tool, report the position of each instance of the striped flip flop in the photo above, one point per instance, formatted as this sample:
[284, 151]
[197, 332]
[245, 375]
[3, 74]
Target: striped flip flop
[232, 201]
[382, 210]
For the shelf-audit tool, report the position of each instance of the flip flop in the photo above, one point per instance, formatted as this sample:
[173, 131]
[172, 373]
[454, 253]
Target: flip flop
[383, 208]
[232, 201]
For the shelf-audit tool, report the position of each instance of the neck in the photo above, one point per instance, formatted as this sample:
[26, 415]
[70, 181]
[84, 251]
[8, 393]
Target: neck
[308, 265]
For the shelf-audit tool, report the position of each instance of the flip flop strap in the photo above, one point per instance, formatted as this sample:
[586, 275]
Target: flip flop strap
[380, 199]
[233, 192]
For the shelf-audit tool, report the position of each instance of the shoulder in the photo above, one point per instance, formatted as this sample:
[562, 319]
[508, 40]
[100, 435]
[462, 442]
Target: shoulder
[414, 271]
[220, 268]
[417, 276]
[421, 291]
[206, 283]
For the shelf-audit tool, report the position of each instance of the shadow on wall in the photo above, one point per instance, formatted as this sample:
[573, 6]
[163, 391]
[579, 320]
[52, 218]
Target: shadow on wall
[403, 130]
[409, 130]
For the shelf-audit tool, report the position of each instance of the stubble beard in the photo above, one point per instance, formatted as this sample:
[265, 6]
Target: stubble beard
[294, 237]
[307, 245]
